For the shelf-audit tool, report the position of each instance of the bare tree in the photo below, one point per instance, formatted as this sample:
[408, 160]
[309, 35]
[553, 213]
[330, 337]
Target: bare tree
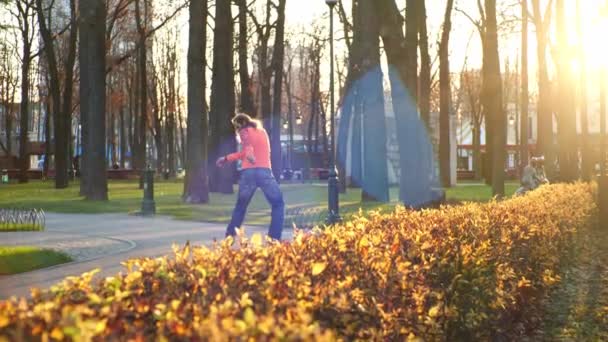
[568, 156]
[424, 101]
[246, 102]
[587, 162]
[471, 82]
[415, 181]
[492, 97]
[412, 28]
[523, 131]
[142, 17]
[278, 57]
[196, 188]
[61, 107]
[445, 96]
[92, 52]
[25, 15]
[8, 90]
[544, 143]
[222, 99]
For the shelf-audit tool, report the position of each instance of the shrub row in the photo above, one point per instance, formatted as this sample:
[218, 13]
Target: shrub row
[471, 272]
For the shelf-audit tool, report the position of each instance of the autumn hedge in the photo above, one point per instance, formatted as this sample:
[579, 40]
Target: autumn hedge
[470, 272]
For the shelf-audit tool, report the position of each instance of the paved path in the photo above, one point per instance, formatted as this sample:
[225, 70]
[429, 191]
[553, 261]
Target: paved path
[104, 241]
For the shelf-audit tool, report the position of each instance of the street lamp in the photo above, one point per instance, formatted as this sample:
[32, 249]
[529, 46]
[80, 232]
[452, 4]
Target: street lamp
[333, 200]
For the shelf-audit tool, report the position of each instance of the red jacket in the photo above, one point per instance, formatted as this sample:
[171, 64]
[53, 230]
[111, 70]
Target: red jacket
[256, 149]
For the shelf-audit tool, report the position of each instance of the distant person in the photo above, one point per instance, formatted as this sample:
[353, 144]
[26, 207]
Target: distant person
[533, 175]
[256, 172]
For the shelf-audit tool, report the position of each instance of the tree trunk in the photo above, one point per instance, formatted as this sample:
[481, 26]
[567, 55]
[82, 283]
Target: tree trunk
[494, 102]
[122, 137]
[63, 161]
[24, 159]
[47, 139]
[544, 141]
[587, 161]
[445, 99]
[278, 56]
[568, 157]
[60, 118]
[412, 27]
[415, 149]
[477, 149]
[523, 138]
[140, 152]
[196, 189]
[246, 105]
[222, 100]
[425, 70]
[92, 51]
[375, 169]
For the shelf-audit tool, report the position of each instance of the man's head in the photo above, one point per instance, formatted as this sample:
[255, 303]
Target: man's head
[242, 120]
[538, 161]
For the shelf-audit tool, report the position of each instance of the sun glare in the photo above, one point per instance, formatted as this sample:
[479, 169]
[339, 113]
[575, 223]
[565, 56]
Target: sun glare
[596, 30]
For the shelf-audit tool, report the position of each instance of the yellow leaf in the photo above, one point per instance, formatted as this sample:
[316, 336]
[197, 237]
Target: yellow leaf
[414, 338]
[364, 242]
[256, 240]
[435, 310]
[94, 298]
[249, 317]
[100, 326]
[57, 334]
[4, 321]
[318, 268]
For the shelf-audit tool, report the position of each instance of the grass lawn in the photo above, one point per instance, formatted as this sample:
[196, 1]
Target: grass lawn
[126, 197]
[18, 259]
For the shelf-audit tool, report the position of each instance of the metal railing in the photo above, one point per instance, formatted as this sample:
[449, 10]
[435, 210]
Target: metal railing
[15, 219]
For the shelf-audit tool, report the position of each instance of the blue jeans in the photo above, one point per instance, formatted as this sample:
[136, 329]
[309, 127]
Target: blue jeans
[250, 180]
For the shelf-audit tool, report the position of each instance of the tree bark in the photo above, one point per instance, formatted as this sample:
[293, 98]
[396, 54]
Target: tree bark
[278, 57]
[425, 70]
[412, 27]
[494, 102]
[523, 138]
[92, 51]
[122, 136]
[587, 160]
[246, 105]
[544, 141]
[140, 152]
[24, 12]
[568, 156]
[196, 189]
[374, 179]
[415, 149]
[222, 99]
[60, 117]
[445, 98]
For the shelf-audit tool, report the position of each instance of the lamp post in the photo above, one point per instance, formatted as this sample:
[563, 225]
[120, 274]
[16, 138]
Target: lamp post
[333, 200]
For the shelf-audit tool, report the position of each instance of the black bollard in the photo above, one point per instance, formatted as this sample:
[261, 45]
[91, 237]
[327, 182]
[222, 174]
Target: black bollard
[148, 207]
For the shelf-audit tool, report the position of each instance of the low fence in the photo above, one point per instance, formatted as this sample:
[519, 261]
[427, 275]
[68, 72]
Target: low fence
[308, 218]
[14, 219]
